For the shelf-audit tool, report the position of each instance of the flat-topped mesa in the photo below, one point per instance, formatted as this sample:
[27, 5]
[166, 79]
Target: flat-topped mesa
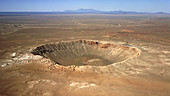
[86, 52]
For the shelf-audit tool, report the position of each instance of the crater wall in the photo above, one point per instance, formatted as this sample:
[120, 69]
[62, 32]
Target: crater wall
[86, 52]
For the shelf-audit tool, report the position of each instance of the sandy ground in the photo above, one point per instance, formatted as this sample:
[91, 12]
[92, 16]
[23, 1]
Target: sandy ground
[35, 79]
[146, 75]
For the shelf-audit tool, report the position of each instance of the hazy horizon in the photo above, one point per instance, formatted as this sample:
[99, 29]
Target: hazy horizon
[103, 5]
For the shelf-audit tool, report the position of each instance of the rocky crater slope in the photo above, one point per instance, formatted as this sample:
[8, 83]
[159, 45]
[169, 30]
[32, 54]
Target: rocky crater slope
[86, 52]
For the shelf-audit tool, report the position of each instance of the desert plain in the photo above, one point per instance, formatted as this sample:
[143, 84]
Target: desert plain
[23, 73]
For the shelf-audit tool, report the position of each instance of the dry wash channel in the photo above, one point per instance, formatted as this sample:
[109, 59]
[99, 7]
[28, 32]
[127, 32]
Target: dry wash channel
[86, 52]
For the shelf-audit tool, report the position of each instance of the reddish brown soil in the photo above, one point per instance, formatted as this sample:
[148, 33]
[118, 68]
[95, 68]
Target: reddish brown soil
[146, 75]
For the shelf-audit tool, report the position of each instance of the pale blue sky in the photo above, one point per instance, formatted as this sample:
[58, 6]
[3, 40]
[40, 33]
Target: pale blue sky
[105, 5]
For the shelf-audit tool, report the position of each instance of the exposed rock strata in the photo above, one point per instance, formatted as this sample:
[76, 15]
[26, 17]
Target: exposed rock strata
[86, 52]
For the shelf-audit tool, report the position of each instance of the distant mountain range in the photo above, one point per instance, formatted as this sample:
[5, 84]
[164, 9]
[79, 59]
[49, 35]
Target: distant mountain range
[82, 11]
[91, 11]
[87, 11]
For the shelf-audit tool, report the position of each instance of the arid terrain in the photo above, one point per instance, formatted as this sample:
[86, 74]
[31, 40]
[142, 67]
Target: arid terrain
[25, 74]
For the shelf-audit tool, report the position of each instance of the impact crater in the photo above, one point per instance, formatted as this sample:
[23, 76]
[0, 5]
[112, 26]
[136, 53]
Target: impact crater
[86, 52]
